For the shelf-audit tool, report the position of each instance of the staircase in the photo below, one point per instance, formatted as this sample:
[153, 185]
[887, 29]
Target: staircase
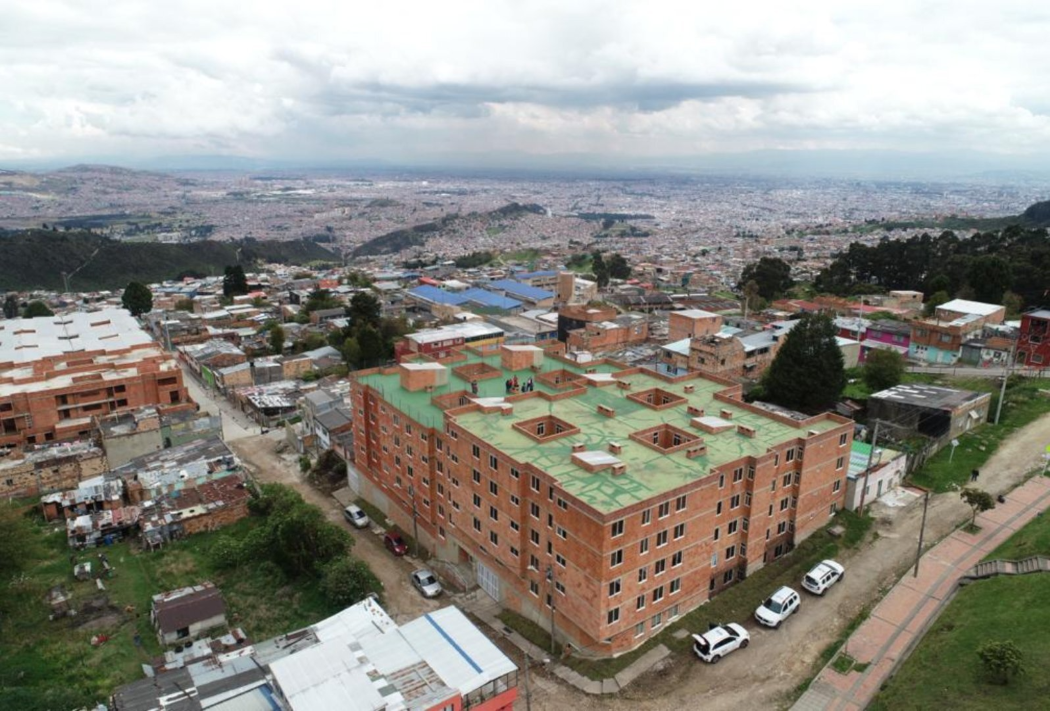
[992, 568]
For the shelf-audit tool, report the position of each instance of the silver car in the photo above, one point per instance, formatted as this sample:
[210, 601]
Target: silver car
[426, 583]
[356, 517]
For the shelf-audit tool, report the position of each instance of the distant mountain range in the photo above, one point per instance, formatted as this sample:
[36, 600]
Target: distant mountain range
[37, 259]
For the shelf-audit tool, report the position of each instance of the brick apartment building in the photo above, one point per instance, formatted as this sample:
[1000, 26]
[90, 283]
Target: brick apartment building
[58, 372]
[626, 497]
[1033, 345]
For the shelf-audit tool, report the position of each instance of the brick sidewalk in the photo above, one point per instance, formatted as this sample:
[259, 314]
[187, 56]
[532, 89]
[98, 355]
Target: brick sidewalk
[898, 622]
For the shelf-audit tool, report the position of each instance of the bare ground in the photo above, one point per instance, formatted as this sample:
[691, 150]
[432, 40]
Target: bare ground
[764, 676]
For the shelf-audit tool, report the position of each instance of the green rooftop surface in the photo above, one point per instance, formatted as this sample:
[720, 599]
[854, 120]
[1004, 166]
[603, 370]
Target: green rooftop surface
[649, 472]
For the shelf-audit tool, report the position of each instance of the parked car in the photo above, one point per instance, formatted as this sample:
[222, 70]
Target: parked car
[356, 517]
[719, 641]
[395, 543]
[426, 583]
[825, 574]
[778, 607]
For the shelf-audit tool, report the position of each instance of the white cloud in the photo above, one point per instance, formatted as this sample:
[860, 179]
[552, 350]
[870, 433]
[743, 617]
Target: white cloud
[404, 79]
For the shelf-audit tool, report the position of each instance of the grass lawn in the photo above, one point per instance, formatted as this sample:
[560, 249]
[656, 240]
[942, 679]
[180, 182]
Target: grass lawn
[45, 664]
[1033, 539]
[734, 605]
[1024, 404]
[944, 671]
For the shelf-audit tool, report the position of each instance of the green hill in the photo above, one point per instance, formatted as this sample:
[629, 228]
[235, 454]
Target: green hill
[36, 259]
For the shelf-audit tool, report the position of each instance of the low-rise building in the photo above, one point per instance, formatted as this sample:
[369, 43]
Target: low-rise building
[939, 413]
[184, 614]
[46, 468]
[1033, 345]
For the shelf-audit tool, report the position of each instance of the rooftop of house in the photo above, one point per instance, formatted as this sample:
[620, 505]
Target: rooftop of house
[927, 396]
[649, 472]
[109, 330]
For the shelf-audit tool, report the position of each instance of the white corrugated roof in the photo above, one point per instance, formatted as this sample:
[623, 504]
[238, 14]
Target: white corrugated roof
[26, 340]
[963, 306]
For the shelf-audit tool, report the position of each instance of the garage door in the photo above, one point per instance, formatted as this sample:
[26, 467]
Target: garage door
[487, 580]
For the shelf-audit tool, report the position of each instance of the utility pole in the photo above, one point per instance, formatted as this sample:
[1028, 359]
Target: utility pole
[415, 523]
[1002, 387]
[922, 533]
[867, 470]
[550, 579]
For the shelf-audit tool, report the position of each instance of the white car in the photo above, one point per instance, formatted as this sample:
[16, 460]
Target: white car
[426, 583]
[823, 576]
[778, 607]
[720, 641]
[356, 517]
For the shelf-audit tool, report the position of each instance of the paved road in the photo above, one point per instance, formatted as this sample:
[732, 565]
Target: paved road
[235, 424]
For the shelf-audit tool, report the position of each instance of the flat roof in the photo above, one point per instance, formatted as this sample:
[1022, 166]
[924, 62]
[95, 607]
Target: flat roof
[30, 339]
[963, 306]
[927, 396]
[649, 472]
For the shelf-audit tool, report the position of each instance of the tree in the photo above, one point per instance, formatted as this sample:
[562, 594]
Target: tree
[365, 309]
[371, 346]
[808, 372]
[277, 339]
[36, 309]
[600, 269]
[351, 352]
[346, 581]
[137, 298]
[979, 501]
[1002, 660]
[1014, 304]
[320, 299]
[883, 369]
[936, 299]
[234, 281]
[772, 274]
[618, 267]
[752, 301]
[11, 306]
[990, 277]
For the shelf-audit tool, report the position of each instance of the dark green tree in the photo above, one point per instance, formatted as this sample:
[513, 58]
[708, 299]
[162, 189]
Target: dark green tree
[772, 274]
[320, 299]
[11, 306]
[351, 352]
[137, 298]
[36, 309]
[808, 372]
[990, 277]
[371, 346]
[935, 299]
[346, 581]
[365, 309]
[277, 339]
[600, 269]
[234, 281]
[618, 267]
[1001, 660]
[979, 501]
[883, 369]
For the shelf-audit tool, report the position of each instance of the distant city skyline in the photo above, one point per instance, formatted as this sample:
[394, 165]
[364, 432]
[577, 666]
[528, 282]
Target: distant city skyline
[901, 89]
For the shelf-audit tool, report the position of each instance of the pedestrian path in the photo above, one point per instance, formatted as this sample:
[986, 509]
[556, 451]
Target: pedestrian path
[898, 622]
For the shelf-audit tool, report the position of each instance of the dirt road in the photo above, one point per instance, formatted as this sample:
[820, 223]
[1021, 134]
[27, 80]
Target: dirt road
[763, 676]
[235, 424]
[402, 601]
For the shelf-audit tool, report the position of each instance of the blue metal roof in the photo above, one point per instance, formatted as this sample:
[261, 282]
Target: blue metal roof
[525, 291]
[535, 275]
[482, 297]
[438, 296]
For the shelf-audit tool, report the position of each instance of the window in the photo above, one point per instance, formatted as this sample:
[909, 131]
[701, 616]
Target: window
[721, 480]
[560, 559]
[534, 562]
[782, 527]
[493, 462]
[514, 526]
[661, 539]
[639, 629]
[534, 483]
[784, 503]
[842, 439]
[494, 488]
[836, 486]
[514, 473]
[534, 588]
[665, 510]
[744, 522]
[676, 559]
[613, 616]
[559, 587]
[773, 487]
[727, 577]
[617, 528]
[639, 602]
[747, 498]
[679, 503]
[493, 513]
[675, 585]
[734, 501]
[658, 594]
[477, 501]
[717, 534]
[679, 531]
[790, 456]
[834, 508]
[493, 538]
[534, 536]
[477, 524]
[476, 475]
[647, 517]
[534, 510]
[787, 480]
[475, 451]
[515, 500]
[738, 474]
[751, 472]
[643, 546]
[839, 463]
[643, 574]
[731, 528]
[658, 619]
[563, 504]
[562, 533]
[614, 588]
[660, 567]
[718, 509]
[616, 558]
[730, 552]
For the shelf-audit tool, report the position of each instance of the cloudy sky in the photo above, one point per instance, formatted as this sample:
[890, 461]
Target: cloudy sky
[403, 81]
